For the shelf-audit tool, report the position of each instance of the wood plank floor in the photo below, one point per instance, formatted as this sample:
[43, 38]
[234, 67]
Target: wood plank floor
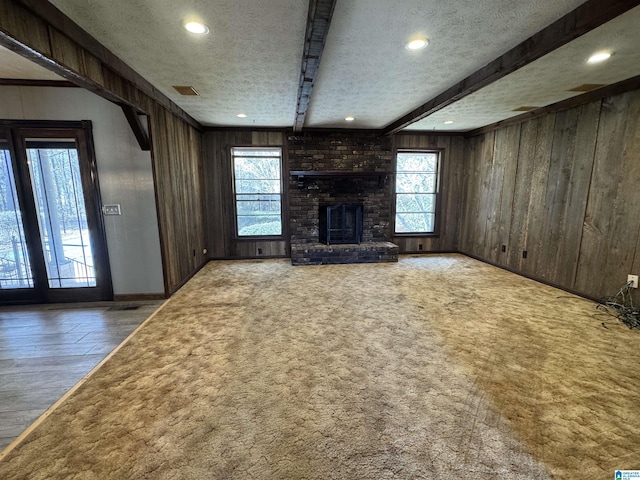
[46, 349]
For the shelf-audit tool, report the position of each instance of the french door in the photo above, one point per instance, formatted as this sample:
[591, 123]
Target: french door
[52, 241]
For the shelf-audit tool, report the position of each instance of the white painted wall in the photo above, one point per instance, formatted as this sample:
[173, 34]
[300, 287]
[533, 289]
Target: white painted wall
[124, 172]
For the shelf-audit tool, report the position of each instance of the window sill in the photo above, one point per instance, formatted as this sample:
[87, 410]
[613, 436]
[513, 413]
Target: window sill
[417, 234]
[261, 238]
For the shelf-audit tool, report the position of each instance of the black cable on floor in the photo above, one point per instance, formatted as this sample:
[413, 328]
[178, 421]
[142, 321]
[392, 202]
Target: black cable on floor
[621, 306]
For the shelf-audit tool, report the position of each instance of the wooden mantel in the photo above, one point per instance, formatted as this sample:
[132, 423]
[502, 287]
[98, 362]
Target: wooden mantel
[336, 173]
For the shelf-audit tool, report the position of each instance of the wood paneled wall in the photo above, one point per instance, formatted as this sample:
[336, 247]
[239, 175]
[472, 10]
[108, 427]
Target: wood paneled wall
[176, 140]
[179, 186]
[565, 189]
[221, 237]
[451, 186]
[220, 225]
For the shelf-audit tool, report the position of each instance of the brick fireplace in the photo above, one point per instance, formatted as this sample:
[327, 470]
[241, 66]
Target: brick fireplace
[340, 168]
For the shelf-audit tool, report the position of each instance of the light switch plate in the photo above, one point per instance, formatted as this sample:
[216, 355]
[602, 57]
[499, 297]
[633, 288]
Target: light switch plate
[111, 209]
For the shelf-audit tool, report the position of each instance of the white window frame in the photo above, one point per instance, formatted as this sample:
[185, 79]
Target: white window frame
[236, 152]
[435, 231]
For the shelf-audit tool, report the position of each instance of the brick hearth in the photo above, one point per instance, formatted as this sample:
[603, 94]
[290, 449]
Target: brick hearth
[321, 254]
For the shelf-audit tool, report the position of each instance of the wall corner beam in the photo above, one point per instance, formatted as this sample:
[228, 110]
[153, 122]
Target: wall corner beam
[140, 132]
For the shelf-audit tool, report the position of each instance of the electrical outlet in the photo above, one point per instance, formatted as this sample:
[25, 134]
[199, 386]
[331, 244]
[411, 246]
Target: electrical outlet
[111, 209]
[633, 279]
[420, 246]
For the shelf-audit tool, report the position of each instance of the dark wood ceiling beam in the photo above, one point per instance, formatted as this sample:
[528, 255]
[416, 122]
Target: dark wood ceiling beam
[137, 127]
[318, 22]
[49, 63]
[27, 82]
[583, 19]
[63, 24]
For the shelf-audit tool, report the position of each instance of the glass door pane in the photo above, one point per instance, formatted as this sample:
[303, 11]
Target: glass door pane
[57, 189]
[15, 268]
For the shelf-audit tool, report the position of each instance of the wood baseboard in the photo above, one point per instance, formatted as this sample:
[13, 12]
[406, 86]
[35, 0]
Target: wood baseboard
[133, 297]
[189, 277]
[257, 257]
[427, 252]
[533, 277]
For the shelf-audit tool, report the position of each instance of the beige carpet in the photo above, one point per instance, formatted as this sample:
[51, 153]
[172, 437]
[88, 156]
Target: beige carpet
[438, 367]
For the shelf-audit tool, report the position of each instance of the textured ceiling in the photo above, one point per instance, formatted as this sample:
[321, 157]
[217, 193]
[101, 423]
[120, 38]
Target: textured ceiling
[367, 72]
[250, 62]
[548, 79]
[13, 66]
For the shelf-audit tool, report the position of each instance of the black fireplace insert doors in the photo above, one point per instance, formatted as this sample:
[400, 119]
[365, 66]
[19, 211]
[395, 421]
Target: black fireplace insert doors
[340, 223]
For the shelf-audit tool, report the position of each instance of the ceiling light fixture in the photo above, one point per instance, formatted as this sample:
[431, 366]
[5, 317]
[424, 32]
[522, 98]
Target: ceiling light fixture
[350, 118]
[448, 122]
[599, 57]
[417, 44]
[196, 27]
[241, 115]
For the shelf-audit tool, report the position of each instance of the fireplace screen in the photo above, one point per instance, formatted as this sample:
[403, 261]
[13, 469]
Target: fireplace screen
[341, 223]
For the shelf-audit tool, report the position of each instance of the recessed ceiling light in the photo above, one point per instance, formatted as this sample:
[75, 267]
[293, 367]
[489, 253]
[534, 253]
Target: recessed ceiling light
[241, 115]
[350, 118]
[448, 122]
[417, 43]
[196, 27]
[599, 57]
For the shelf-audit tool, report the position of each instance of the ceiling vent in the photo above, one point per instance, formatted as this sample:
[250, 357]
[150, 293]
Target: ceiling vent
[587, 87]
[186, 90]
[524, 108]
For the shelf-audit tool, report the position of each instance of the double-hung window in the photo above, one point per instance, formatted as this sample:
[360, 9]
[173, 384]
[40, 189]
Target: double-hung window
[258, 191]
[416, 192]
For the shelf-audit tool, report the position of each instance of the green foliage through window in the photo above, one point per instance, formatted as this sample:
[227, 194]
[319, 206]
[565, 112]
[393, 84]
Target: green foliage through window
[416, 189]
[258, 190]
